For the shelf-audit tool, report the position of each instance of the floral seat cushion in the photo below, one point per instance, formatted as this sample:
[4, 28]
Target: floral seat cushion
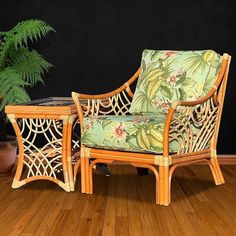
[136, 133]
[173, 75]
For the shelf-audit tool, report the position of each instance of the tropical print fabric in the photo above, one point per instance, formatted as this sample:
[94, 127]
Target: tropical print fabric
[136, 133]
[173, 75]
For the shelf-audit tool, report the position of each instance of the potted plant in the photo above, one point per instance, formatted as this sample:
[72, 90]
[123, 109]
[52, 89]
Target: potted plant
[20, 68]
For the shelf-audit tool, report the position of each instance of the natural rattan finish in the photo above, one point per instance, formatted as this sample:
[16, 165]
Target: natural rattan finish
[205, 113]
[54, 124]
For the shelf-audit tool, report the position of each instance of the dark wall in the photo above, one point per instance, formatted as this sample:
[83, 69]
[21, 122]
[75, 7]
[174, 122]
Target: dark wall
[98, 44]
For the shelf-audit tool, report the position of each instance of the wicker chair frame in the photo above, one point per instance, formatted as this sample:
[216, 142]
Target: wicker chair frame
[205, 112]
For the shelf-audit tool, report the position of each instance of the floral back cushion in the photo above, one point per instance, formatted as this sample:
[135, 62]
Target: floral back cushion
[174, 75]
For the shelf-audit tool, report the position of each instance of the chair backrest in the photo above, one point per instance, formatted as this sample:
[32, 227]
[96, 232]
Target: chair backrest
[167, 76]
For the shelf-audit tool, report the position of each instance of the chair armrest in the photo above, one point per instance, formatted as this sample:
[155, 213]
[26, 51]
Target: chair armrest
[191, 124]
[116, 102]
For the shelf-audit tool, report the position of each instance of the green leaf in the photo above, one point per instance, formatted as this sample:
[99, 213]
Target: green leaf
[129, 137]
[30, 29]
[218, 68]
[143, 64]
[106, 123]
[183, 95]
[155, 74]
[19, 35]
[152, 88]
[215, 63]
[208, 84]
[19, 66]
[29, 64]
[167, 91]
[87, 138]
[154, 55]
[12, 87]
[195, 63]
[132, 145]
[145, 52]
[148, 68]
[181, 78]
[143, 101]
[188, 82]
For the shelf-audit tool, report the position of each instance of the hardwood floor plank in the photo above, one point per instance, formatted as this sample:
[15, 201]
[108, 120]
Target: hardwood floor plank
[113, 204]
[146, 193]
[134, 214]
[122, 190]
[122, 226]
[72, 225]
[123, 204]
[58, 227]
[82, 228]
[25, 218]
[53, 212]
[9, 218]
[40, 214]
[97, 220]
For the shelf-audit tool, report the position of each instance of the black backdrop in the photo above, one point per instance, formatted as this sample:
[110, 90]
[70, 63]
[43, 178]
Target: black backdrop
[98, 44]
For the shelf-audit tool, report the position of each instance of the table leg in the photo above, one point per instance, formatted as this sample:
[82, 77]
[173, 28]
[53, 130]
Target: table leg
[68, 138]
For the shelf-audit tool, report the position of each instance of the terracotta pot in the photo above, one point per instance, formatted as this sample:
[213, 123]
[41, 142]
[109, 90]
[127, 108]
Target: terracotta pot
[7, 155]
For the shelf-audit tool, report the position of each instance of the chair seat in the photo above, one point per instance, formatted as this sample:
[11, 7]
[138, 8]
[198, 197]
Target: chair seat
[138, 133]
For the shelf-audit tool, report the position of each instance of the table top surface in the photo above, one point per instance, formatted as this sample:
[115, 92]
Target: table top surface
[50, 101]
[44, 106]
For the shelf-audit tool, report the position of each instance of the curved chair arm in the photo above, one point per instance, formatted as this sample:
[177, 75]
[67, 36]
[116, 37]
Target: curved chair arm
[191, 125]
[115, 102]
[202, 113]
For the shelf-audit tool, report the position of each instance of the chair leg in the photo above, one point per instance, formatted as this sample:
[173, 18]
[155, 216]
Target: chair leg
[87, 174]
[90, 176]
[85, 154]
[76, 168]
[157, 188]
[216, 171]
[164, 186]
[83, 175]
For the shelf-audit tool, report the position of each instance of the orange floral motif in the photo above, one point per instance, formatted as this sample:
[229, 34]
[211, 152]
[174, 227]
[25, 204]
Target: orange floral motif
[119, 131]
[169, 53]
[163, 105]
[172, 80]
[87, 126]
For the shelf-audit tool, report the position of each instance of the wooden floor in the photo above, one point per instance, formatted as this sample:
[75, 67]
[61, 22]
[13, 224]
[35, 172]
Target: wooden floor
[122, 205]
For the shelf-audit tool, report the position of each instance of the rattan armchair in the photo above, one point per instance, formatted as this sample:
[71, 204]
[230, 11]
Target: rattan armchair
[171, 120]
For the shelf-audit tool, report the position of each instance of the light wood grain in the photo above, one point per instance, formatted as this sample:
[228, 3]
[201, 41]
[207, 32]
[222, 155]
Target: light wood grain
[122, 204]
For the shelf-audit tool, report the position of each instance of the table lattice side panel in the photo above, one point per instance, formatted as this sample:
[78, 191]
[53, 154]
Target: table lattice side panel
[42, 150]
[45, 160]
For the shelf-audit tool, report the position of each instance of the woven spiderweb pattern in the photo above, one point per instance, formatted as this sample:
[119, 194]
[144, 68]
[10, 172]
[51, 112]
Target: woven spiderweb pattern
[46, 159]
[193, 127]
[117, 104]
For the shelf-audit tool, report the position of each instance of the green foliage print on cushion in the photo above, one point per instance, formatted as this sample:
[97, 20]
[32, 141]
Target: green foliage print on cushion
[173, 75]
[128, 133]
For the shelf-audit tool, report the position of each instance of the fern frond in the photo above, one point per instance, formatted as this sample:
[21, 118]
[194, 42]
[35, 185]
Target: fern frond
[12, 87]
[30, 29]
[19, 35]
[29, 64]
[2, 33]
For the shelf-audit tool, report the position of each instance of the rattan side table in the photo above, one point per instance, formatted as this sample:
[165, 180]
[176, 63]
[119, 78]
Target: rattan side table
[44, 132]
